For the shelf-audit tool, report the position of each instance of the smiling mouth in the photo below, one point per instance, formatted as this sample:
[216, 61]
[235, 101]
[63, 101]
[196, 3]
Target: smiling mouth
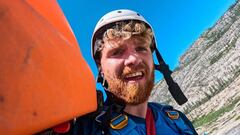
[134, 76]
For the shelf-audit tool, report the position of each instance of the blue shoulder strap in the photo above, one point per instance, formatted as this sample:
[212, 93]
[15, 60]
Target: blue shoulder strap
[170, 115]
[187, 122]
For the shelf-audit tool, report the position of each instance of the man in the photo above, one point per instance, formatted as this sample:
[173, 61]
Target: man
[122, 47]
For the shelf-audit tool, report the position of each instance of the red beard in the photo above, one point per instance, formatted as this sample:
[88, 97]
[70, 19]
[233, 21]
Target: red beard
[131, 93]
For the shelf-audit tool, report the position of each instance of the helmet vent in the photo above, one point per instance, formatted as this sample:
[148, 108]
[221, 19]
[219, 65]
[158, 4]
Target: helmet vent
[138, 14]
[119, 11]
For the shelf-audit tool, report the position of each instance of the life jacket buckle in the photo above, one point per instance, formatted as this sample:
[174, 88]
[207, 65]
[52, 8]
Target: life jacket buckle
[173, 115]
[119, 122]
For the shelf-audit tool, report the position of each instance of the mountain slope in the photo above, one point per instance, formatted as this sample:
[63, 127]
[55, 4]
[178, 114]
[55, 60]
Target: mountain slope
[209, 75]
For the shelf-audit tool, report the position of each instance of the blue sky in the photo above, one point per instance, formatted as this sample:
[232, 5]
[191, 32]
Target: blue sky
[177, 24]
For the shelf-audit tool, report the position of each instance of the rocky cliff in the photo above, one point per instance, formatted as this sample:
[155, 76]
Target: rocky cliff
[209, 75]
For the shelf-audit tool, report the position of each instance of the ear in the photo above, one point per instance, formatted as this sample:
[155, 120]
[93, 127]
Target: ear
[98, 62]
[99, 67]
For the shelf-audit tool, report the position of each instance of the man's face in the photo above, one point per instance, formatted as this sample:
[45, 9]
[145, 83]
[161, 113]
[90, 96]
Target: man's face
[128, 67]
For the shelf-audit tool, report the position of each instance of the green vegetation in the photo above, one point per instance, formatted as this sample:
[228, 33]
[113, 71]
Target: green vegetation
[168, 101]
[216, 58]
[213, 116]
[192, 106]
[222, 84]
[191, 60]
[236, 73]
[211, 36]
[216, 35]
[213, 90]
[219, 86]
[238, 118]
[236, 13]
[225, 51]
[215, 128]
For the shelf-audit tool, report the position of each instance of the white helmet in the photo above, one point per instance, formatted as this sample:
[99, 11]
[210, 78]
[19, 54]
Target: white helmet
[109, 19]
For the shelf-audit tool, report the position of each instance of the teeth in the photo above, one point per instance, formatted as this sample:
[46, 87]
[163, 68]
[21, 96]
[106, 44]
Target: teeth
[134, 74]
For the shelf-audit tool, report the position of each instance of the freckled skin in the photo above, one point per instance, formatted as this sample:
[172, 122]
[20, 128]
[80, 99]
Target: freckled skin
[122, 57]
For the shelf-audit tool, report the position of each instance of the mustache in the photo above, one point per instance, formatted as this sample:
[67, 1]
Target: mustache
[130, 69]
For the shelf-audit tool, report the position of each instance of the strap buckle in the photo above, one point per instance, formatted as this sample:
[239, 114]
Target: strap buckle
[173, 115]
[119, 122]
[100, 116]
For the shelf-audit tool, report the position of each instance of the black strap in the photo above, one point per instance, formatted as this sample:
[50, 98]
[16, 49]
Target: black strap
[104, 118]
[173, 87]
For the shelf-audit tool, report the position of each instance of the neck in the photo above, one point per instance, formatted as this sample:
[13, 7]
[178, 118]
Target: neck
[139, 110]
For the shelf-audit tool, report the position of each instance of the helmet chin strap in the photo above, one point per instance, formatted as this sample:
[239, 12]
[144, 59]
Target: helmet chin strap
[173, 87]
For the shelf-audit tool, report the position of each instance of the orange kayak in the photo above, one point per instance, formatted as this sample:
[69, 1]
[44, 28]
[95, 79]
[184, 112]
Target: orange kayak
[44, 79]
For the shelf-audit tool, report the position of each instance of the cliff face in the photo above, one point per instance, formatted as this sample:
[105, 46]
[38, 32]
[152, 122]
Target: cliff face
[209, 75]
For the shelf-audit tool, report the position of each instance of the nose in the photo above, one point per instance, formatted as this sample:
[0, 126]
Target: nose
[132, 59]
